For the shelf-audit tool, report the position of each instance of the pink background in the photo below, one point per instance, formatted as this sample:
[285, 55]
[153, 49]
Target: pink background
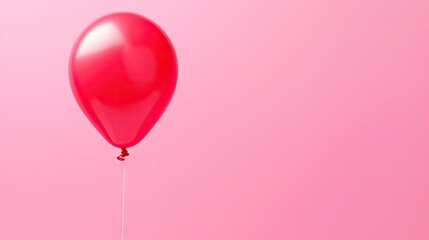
[291, 120]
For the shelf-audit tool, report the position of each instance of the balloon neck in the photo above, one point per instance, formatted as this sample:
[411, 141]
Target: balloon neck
[124, 153]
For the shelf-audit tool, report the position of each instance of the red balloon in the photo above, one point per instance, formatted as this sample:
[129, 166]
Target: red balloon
[123, 73]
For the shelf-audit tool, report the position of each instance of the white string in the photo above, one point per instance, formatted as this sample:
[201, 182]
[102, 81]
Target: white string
[123, 201]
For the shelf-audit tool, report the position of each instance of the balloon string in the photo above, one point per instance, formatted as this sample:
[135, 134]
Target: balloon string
[123, 202]
[124, 153]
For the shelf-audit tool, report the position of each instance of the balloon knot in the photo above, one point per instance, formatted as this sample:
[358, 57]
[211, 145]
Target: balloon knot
[124, 153]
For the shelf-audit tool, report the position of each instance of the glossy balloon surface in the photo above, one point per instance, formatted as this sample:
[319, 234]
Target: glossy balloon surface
[123, 73]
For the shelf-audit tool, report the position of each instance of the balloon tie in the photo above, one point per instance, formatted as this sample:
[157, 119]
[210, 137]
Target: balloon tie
[124, 153]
